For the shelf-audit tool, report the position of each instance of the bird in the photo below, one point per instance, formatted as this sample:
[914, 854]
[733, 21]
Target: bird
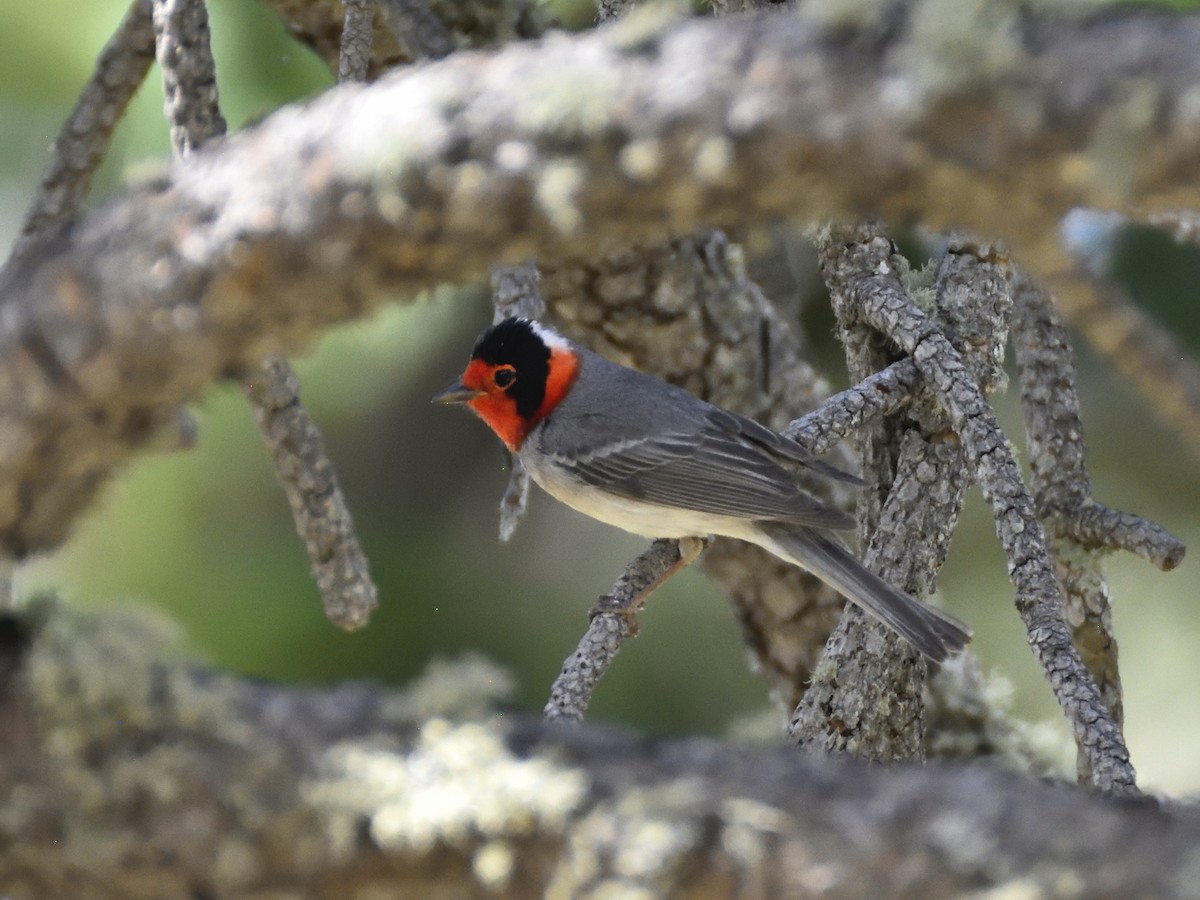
[646, 456]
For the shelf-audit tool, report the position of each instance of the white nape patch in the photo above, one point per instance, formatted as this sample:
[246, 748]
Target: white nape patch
[549, 336]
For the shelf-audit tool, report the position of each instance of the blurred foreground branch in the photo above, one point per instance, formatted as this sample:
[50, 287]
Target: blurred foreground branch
[131, 774]
[251, 247]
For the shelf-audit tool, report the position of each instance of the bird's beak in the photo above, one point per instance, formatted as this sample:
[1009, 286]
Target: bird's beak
[455, 393]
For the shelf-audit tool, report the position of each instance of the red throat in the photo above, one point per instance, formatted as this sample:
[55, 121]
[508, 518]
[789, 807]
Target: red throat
[499, 410]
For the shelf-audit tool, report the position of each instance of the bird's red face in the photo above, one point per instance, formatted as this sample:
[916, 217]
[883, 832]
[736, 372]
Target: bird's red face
[518, 373]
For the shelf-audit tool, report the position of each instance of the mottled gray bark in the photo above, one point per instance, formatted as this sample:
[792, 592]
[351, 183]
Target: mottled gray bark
[131, 774]
[122, 318]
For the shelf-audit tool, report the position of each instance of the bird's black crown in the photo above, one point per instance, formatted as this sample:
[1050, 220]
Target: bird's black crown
[517, 343]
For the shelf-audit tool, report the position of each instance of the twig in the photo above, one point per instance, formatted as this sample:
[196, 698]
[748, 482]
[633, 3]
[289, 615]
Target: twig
[304, 470]
[358, 32]
[86, 135]
[417, 28]
[318, 25]
[611, 10]
[613, 620]
[861, 263]
[318, 506]
[183, 47]
[1095, 526]
[514, 499]
[1062, 490]
[515, 292]
[866, 695]
[879, 394]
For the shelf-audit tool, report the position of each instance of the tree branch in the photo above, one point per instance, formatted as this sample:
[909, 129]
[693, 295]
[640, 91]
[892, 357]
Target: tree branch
[255, 245]
[860, 263]
[471, 24]
[417, 28]
[174, 780]
[515, 293]
[183, 47]
[358, 35]
[613, 620]
[866, 695]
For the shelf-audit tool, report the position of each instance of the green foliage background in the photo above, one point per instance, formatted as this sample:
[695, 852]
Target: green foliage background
[207, 536]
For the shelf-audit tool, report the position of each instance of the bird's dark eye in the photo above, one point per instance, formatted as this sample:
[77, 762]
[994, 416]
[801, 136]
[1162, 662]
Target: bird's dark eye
[504, 377]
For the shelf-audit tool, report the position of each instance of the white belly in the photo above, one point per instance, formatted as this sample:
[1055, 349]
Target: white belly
[637, 517]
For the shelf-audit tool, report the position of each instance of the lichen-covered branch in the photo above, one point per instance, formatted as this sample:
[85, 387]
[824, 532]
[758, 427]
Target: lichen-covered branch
[866, 695]
[1080, 529]
[131, 773]
[860, 263]
[314, 216]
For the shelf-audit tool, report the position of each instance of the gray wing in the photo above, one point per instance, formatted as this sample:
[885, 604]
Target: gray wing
[696, 456]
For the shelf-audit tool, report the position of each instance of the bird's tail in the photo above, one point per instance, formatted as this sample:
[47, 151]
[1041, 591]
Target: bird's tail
[933, 632]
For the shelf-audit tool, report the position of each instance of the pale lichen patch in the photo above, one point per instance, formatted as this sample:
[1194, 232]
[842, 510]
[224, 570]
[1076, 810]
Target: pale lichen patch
[458, 785]
[640, 839]
[557, 193]
[466, 688]
[956, 44]
[641, 160]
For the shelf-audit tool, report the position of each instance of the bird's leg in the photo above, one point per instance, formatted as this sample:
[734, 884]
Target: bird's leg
[643, 576]
[612, 621]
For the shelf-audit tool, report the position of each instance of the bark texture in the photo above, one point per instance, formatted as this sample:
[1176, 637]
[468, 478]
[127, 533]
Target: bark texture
[170, 779]
[312, 217]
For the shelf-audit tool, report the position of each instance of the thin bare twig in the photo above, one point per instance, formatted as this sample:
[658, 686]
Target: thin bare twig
[318, 24]
[515, 292]
[86, 135]
[879, 394]
[1062, 491]
[613, 620]
[417, 28]
[318, 506]
[183, 46]
[1094, 526]
[358, 32]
